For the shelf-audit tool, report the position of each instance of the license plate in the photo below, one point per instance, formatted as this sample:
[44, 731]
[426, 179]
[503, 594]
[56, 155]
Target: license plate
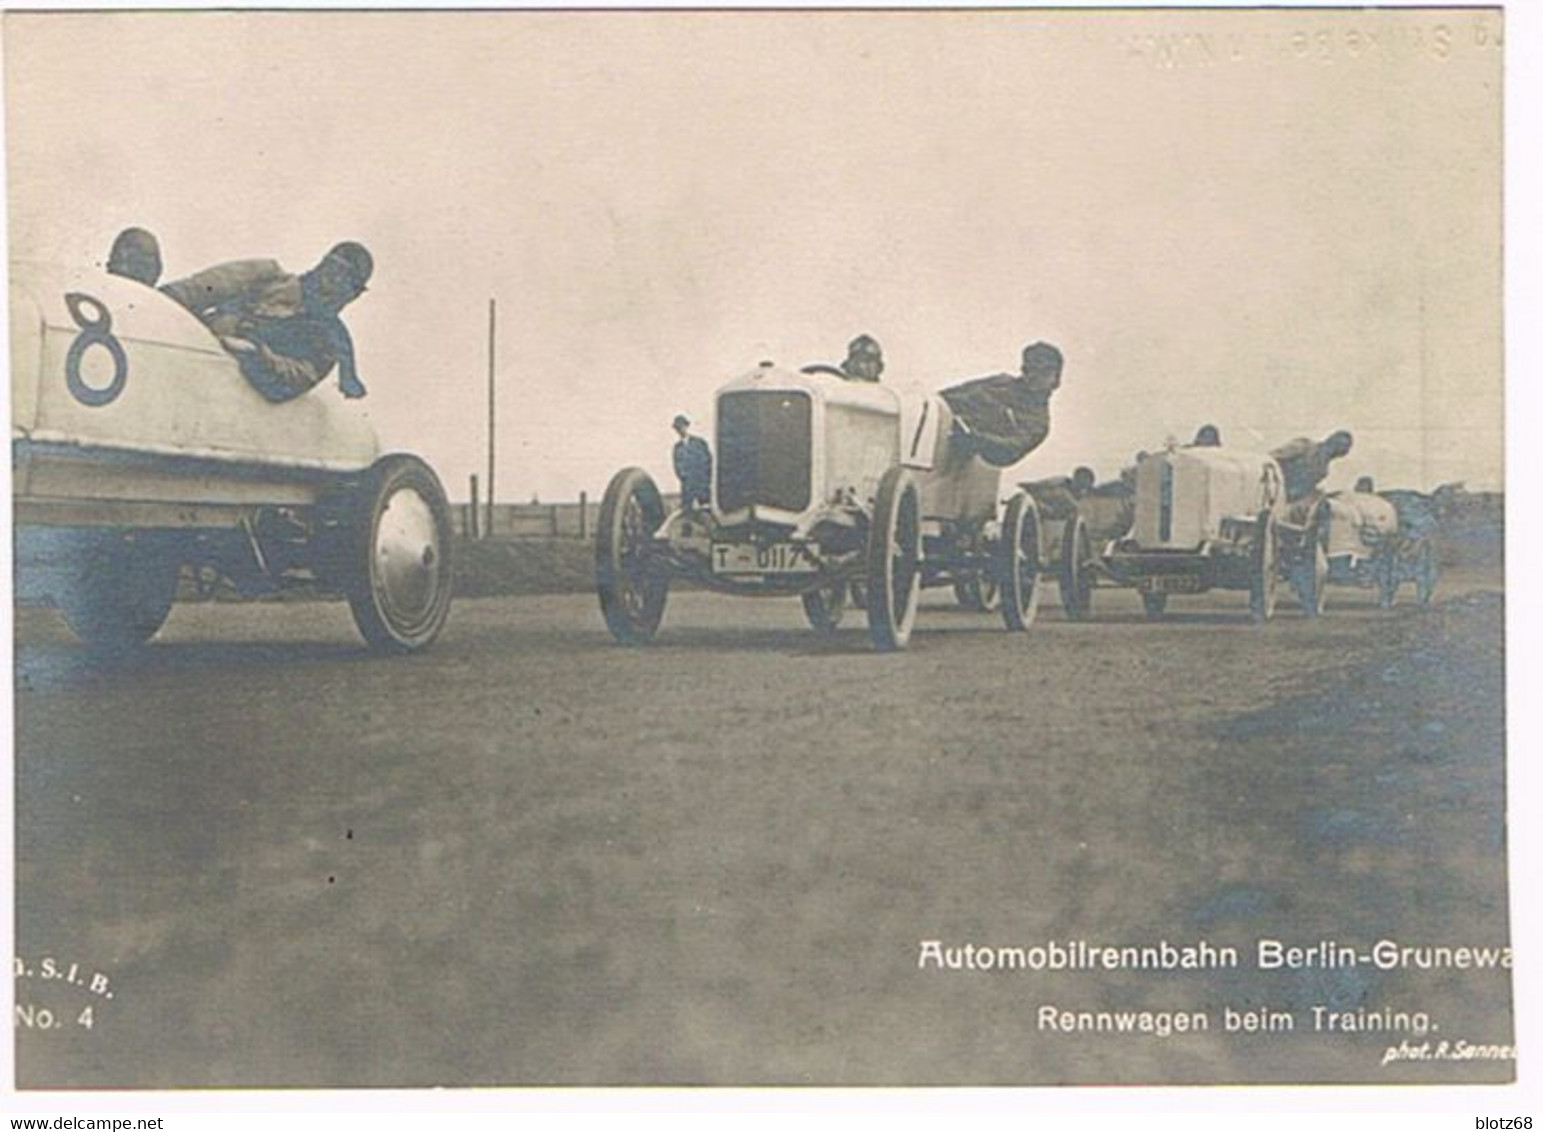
[778, 558]
[1170, 584]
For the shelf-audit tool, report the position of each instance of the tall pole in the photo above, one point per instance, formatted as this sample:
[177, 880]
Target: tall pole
[487, 528]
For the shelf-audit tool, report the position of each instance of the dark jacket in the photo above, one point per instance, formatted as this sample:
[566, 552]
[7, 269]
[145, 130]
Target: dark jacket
[694, 468]
[257, 300]
[1304, 464]
[1001, 417]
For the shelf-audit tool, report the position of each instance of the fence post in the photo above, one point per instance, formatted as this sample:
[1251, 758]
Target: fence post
[583, 514]
[475, 508]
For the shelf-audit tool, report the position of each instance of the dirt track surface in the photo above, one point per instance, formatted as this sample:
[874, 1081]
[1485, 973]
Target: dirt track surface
[532, 855]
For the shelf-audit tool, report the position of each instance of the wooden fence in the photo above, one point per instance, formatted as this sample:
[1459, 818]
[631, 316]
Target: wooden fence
[535, 520]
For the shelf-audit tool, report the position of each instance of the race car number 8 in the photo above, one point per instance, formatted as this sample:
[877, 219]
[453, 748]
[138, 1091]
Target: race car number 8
[96, 329]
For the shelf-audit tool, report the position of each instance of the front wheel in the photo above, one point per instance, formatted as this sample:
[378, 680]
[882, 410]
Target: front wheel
[397, 574]
[1076, 570]
[1018, 562]
[1262, 579]
[122, 589]
[632, 589]
[894, 561]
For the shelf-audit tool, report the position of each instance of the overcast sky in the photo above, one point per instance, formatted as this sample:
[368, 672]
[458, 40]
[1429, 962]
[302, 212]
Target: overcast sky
[1280, 222]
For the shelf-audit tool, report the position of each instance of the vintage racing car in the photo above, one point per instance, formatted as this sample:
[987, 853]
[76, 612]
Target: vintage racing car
[140, 455]
[831, 490]
[1382, 539]
[1209, 517]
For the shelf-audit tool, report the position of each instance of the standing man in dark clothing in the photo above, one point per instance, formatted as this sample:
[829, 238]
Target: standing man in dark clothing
[283, 329]
[693, 466]
[136, 255]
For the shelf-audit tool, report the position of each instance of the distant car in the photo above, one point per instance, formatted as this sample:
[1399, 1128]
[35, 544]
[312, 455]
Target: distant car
[830, 490]
[1212, 518]
[140, 455]
[1380, 540]
[1076, 529]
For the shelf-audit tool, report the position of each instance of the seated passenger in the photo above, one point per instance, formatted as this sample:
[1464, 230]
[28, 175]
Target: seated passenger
[283, 329]
[136, 255]
[1365, 486]
[1209, 436]
[1004, 417]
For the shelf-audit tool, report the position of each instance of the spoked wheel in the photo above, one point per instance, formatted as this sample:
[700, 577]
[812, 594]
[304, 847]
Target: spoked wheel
[1310, 573]
[396, 571]
[894, 561]
[1387, 577]
[1076, 578]
[1426, 572]
[632, 590]
[1018, 562]
[979, 592]
[1262, 588]
[1154, 605]
[824, 606]
[121, 590]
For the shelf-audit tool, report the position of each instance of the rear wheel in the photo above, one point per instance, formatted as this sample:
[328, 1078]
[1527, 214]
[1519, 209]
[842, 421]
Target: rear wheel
[1310, 574]
[1426, 572]
[396, 573]
[1262, 589]
[631, 587]
[978, 592]
[1018, 562]
[894, 561]
[121, 590]
[1154, 605]
[824, 606]
[1387, 577]
[1076, 570]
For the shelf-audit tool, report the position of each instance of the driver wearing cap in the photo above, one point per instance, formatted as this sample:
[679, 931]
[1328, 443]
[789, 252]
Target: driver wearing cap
[283, 329]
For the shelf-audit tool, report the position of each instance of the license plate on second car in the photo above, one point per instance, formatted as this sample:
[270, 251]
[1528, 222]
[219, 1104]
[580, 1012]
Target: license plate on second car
[778, 558]
[1170, 584]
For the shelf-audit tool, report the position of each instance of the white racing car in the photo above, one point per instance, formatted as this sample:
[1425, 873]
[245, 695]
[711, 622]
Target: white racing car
[140, 455]
[1380, 540]
[1212, 517]
[831, 490]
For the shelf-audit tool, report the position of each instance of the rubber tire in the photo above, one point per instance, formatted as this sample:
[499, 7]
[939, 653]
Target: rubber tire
[1387, 579]
[824, 607]
[385, 628]
[1426, 572]
[1263, 588]
[632, 593]
[978, 592]
[121, 591]
[893, 585]
[1310, 581]
[1076, 581]
[1018, 563]
[1155, 606]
